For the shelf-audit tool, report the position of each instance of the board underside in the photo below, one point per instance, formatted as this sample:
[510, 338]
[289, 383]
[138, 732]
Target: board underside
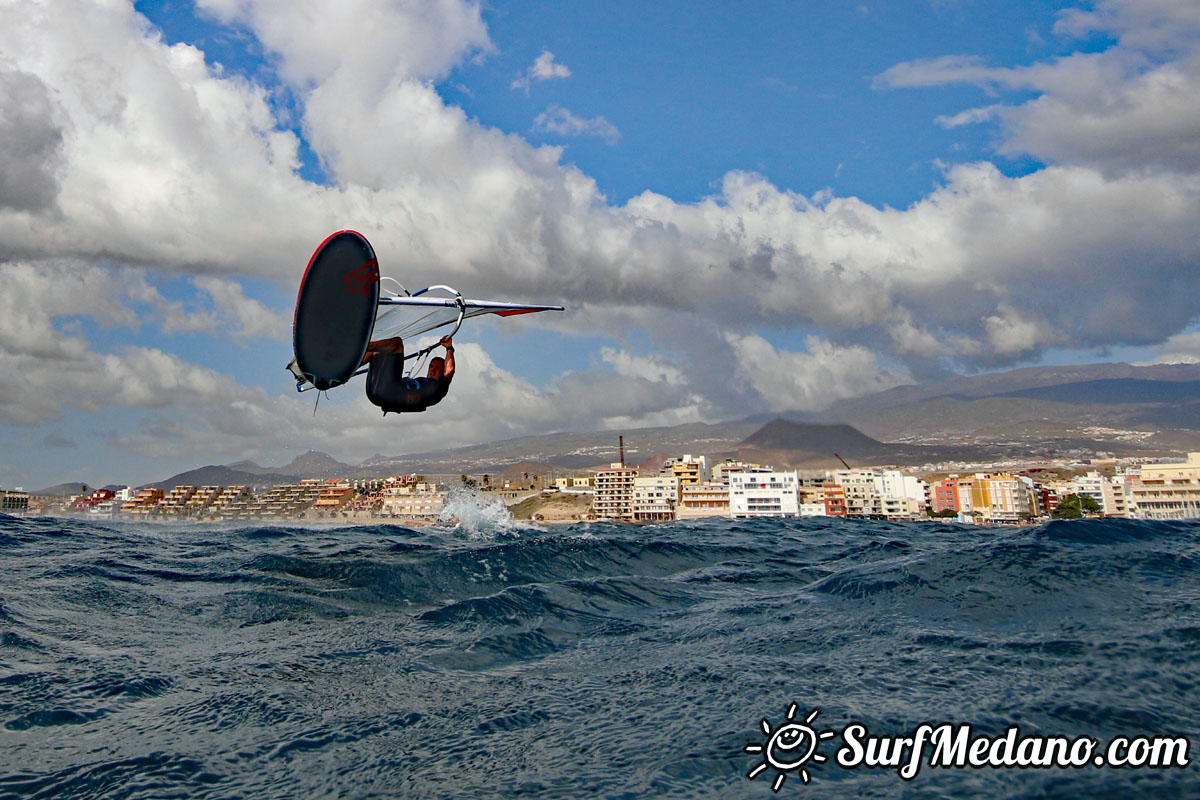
[335, 309]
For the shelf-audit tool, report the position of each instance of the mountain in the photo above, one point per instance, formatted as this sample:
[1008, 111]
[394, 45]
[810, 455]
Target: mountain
[1033, 412]
[1113, 391]
[785, 443]
[252, 468]
[566, 451]
[64, 490]
[1114, 408]
[214, 475]
[315, 464]
[515, 473]
[1017, 381]
[312, 464]
[813, 438]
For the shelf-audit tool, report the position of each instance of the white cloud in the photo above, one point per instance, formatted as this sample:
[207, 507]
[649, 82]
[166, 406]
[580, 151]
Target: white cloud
[1133, 106]
[364, 44]
[443, 198]
[812, 380]
[971, 116]
[557, 119]
[653, 368]
[30, 142]
[543, 68]
[240, 316]
[1183, 348]
[138, 154]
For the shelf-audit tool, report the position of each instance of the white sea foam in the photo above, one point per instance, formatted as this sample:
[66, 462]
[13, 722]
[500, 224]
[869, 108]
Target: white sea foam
[473, 513]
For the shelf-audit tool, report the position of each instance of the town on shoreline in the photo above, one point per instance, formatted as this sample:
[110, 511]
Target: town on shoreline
[679, 488]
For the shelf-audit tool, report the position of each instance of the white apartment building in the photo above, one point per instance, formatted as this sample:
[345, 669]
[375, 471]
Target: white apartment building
[901, 496]
[1089, 485]
[862, 498]
[894, 483]
[763, 494]
[655, 497]
[1111, 496]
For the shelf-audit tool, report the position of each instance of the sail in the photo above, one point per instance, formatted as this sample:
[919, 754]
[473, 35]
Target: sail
[408, 317]
[341, 308]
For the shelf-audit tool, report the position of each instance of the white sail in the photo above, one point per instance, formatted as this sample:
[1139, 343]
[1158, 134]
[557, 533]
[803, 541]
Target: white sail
[407, 317]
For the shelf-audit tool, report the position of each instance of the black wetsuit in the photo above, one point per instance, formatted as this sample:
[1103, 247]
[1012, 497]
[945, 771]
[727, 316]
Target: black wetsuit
[390, 390]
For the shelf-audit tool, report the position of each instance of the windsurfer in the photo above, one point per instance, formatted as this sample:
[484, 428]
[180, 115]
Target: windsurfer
[388, 388]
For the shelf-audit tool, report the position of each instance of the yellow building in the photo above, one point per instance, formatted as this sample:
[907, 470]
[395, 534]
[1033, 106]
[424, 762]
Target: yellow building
[1169, 491]
[997, 499]
[689, 470]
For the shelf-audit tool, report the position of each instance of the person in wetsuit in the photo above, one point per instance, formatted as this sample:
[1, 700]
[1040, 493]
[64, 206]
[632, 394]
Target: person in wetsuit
[390, 390]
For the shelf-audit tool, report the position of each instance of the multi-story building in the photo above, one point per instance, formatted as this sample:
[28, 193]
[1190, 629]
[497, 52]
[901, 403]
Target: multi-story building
[143, 502]
[702, 500]
[835, 500]
[200, 500]
[415, 501]
[763, 494]
[944, 495]
[174, 504]
[88, 503]
[334, 496]
[689, 470]
[722, 471]
[655, 497]
[614, 492]
[1169, 491]
[232, 502]
[862, 498]
[14, 501]
[996, 499]
[901, 496]
[285, 502]
[1090, 486]
[900, 508]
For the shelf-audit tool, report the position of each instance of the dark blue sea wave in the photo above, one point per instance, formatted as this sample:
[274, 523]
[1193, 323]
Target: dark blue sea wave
[592, 660]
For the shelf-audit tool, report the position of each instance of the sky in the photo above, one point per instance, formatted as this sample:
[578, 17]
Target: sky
[744, 209]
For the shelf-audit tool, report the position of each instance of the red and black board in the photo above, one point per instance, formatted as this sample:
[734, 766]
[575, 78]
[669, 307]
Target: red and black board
[335, 309]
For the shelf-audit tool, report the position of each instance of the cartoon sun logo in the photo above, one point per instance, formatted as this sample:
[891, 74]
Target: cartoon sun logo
[789, 747]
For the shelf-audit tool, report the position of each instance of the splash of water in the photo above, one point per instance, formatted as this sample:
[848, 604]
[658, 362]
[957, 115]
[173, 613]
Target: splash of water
[470, 511]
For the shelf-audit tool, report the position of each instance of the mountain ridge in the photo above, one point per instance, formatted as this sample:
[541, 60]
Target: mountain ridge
[1033, 410]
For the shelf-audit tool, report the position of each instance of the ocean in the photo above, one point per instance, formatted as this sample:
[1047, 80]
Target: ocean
[493, 659]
